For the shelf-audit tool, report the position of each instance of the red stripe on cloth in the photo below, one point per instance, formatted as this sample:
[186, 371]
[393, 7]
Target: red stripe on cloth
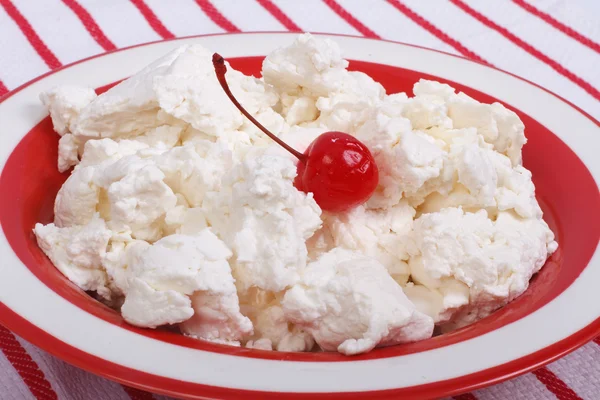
[528, 48]
[33, 38]
[349, 18]
[3, 89]
[136, 394]
[152, 19]
[27, 368]
[465, 396]
[597, 340]
[567, 30]
[555, 385]
[419, 20]
[90, 25]
[279, 15]
[216, 16]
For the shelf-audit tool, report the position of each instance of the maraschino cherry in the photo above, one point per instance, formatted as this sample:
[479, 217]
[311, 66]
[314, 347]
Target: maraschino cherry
[337, 168]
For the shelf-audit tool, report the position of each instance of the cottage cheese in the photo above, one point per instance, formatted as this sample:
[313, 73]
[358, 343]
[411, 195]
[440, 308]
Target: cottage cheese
[179, 211]
[491, 261]
[192, 173]
[338, 296]
[65, 103]
[408, 160]
[313, 81]
[273, 326]
[379, 234]
[184, 278]
[265, 220]
[179, 88]
[77, 252]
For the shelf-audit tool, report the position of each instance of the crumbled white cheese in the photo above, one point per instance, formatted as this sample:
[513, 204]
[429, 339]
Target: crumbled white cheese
[165, 135]
[185, 220]
[379, 234]
[77, 252]
[298, 109]
[271, 324]
[481, 178]
[130, 108]
[185, 278]
[179, 88]
[494, 259]
[148, 307]
[217, 315]
[192, 174]
[272, 331]
[129, 192]
[312, 78]
[308, 64]
[499, 126]
[181, 211]
[348, 108]
[265, 220]
[407, 159]
[96, 152]
[349, 303]
[68, 148]
[77, 199]
[139, 201]
[65, 103]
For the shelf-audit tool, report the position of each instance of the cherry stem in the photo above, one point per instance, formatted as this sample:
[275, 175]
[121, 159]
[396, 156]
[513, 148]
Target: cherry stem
[220, 70]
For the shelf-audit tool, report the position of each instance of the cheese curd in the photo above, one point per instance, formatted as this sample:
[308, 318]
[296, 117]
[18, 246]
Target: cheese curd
[77, 252]
[266, 221]
[64, 103]
[177, 210]
[379, 234]
[350, 303]
[487, 263]
[312, 79]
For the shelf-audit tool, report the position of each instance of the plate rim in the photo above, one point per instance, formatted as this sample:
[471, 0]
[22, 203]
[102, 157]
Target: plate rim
[449, 387]
[543, 356]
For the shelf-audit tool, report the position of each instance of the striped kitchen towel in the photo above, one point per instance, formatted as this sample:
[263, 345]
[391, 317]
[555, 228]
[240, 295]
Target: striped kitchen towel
[554, 43]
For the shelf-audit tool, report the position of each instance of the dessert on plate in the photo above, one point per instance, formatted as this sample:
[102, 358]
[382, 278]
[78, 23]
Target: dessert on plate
[386, 216]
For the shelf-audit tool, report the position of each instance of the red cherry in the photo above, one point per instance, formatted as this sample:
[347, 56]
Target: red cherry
[337, 168]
